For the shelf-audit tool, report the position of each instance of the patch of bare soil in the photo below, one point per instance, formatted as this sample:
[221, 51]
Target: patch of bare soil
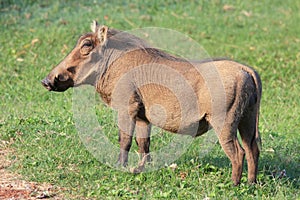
[14, 187]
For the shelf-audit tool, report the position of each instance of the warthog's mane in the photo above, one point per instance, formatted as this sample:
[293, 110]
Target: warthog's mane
[125, 42]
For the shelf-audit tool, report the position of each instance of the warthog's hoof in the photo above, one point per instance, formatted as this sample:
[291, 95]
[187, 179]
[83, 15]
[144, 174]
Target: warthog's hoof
[145, 158]
[252, 182]
[137, 170]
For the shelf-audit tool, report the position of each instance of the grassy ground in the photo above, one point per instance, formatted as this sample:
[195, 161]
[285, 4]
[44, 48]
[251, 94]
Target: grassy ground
[35, 36]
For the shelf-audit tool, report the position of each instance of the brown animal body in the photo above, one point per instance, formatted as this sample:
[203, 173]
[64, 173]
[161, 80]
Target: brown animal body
[149, 87]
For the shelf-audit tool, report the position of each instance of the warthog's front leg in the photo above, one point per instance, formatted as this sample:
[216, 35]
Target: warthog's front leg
[125, 141]
[142, 139]
[126, 128]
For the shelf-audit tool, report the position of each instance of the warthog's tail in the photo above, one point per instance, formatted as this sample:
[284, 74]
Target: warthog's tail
[258, 86]
[259, 93]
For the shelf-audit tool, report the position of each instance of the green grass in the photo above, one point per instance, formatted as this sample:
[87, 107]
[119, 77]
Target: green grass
[35, 36]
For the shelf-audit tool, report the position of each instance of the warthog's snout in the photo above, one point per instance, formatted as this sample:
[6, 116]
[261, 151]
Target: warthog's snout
[58, 83]
[46, 83]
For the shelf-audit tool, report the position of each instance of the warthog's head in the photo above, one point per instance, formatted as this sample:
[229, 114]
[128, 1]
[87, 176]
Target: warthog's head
[79, 66]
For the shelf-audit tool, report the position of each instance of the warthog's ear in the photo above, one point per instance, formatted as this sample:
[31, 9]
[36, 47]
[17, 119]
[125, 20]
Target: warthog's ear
[102, 34]
[94, 26]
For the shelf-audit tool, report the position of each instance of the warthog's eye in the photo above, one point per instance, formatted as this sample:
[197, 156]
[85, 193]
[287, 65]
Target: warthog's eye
[86, 47]
[87, 43]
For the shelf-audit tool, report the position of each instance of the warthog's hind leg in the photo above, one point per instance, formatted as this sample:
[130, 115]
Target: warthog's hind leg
[235, 153]
[247, 128]
[229, 141]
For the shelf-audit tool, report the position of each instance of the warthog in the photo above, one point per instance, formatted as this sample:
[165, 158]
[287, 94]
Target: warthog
[147, 86]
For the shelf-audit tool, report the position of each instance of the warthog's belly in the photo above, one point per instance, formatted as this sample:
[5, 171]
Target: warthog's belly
[169, 111]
